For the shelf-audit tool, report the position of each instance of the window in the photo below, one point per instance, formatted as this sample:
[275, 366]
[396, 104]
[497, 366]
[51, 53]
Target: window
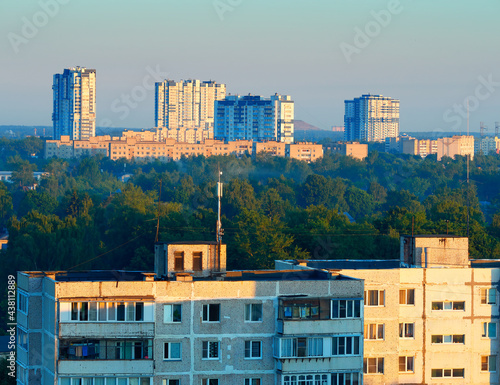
[211, 312]
[488, 296]
[197, 261]
[307, 379]
[299, 347]
[172, 351]
[253, 349]
[373, 365]
[374, 331]
[405, 364]
[103, 311]
[345, 346]
[210, 381]
[448, 305]
[22, 299]
[374, 297]
[179, 261]
[22, 339]
[344, 379]
[210, 350]
[448, 339]
[252, 381]
[407, 297]
[406, 330]
[172, 313]
[253, 312]
[489, 330]
[342, 308]
[489, 363]
[437, 373]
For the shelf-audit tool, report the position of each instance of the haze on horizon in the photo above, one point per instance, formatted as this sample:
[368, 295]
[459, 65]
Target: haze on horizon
[430, 55]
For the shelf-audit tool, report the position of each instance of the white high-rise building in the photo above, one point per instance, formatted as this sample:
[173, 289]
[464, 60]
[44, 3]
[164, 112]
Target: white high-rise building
[255, 118]
[74, 103]
[371, 118]
[187, 104]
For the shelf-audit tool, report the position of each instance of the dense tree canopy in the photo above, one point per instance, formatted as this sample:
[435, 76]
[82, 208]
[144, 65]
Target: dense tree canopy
[82, 216]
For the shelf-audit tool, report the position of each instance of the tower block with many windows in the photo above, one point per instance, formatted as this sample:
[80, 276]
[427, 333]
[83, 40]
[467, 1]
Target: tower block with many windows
[74, 103]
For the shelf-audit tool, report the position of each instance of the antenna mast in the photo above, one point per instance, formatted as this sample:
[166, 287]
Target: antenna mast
[468, 157]
[220, 231]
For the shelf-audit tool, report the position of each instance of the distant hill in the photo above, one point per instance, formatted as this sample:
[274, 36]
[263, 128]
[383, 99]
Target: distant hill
[300, 125]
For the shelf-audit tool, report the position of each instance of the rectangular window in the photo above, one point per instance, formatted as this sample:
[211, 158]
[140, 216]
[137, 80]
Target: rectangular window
[211, 312]
[197, 261]
[373, 365]
[171, 382]
[407, 297]
[405, 364]
[342, 379]
[22, 339]
[252, 381]
[210, 350]
[448, 339]
[22, 299]
[448, 305]
[406, 330]
[172, 351]
[447, 373]
[172, 313]
[179, 261]
[489, 330]
[374, 331]
[489, 363]
[374, 297]
[345, 346]
[253, 312]
[210, 381]
[253, 349]
[489, 296]
[346, 308]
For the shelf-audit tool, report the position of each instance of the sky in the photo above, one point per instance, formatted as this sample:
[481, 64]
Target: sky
[433, 56]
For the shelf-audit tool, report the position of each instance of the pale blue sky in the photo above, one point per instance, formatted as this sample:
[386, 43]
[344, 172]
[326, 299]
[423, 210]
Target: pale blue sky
[430, 54]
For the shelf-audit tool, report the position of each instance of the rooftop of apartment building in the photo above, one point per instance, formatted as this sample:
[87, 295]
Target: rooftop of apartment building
[243, 275]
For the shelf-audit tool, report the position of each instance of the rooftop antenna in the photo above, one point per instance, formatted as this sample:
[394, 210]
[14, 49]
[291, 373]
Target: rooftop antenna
[158, 218]
[220, 231]
[468, 157]
[497, 128]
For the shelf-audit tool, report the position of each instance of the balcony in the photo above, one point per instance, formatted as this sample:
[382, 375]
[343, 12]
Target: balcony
[106, 329]
[106, 367]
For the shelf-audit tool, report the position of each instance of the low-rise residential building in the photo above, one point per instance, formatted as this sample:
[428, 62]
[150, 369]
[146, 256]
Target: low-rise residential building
[353, 149]
[190, 322]
[462, 145]
[146, 146]
[431, 317]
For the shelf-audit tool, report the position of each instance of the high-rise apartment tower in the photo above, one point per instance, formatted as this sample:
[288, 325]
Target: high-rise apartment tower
[371, 118]
[187, 104]
[74, 103]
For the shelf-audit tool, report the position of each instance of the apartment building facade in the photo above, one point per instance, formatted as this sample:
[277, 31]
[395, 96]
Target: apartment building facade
[255, 118]
[462, 145]
[190, 322]
[144, 146]
[353, 149]
[431, 317]
[371, 118]
[74, 103]
[187, 104]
